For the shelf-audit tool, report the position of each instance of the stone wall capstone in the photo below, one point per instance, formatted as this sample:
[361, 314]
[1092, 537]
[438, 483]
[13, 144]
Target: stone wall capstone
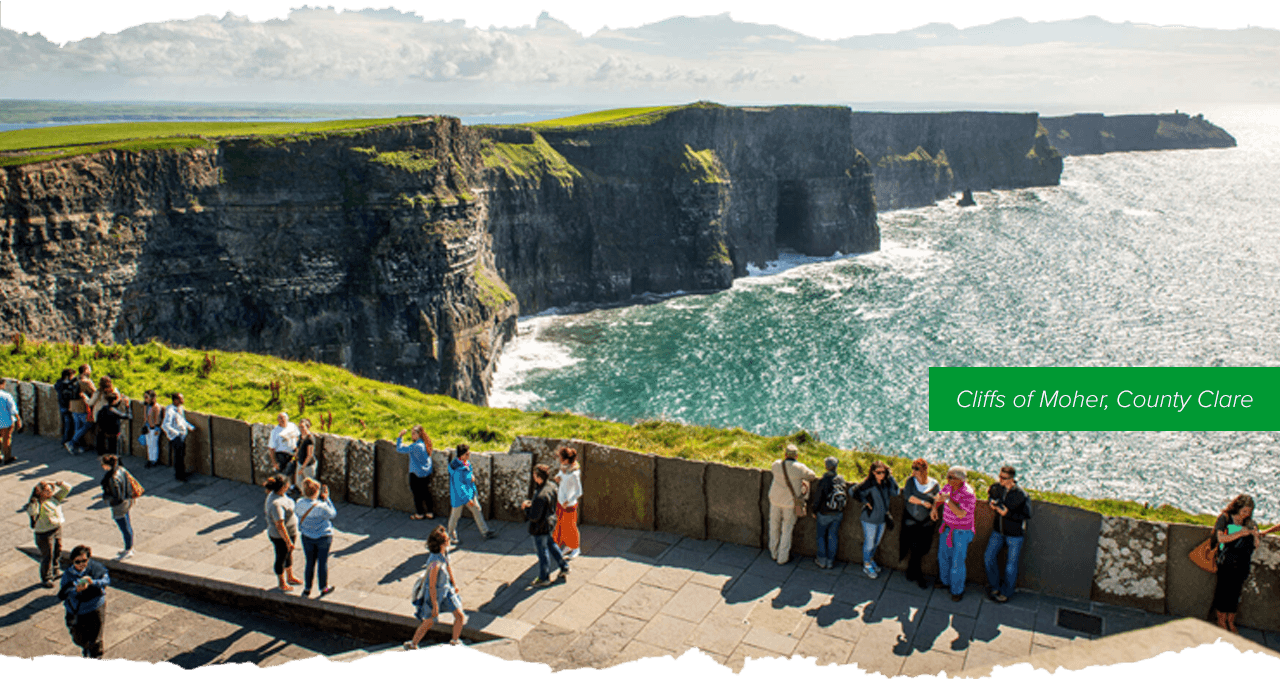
[1132, 563]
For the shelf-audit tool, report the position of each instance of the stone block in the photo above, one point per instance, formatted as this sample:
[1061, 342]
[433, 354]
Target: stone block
[1188, 588]
[232, 449]
[199, 457]
[510, 483]
[1132, 563]
[27, 407]
[333, 452]
[393, 479]
[482, 472]
[681, 498]
[48, 420]
[439, 479]
[1258, 607]
[138, 409]
[264, 461]
[1059, 556]
[545, 451]
[361, 486]
[617, 487]
[733, 505]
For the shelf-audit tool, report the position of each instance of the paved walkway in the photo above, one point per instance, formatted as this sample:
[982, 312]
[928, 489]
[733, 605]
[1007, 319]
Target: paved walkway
[631, 595]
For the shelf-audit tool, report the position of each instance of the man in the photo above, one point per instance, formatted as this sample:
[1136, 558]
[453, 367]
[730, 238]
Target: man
[956, 502]
[540, 512]
[10, 421]
[791, 481]
[832, 496]
[284, 442]
[83, 593]
[80, 407]
[1012, 508]
[66, 388]
[176, 427]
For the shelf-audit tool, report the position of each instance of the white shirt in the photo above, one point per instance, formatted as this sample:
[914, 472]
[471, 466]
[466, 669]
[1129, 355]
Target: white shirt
[175, 423]
[284, 439]
[570, 487]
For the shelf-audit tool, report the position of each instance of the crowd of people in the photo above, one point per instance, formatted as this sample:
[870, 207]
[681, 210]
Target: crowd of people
[943, 510]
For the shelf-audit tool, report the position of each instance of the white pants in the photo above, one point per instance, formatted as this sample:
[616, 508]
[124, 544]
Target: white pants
[782, 522]
[153, 446]
[456, 513]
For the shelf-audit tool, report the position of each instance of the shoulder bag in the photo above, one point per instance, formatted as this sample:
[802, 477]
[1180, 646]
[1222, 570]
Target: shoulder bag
[1203, 555]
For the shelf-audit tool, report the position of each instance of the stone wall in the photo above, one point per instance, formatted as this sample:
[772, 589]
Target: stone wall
[1068, 551]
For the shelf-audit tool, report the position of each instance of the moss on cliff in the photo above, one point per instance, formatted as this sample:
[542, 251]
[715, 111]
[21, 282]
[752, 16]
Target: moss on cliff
[493, 292]
[529, 161]
[704, 166]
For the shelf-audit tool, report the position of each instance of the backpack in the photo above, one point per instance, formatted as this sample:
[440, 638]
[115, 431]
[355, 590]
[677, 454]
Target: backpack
[135, 489]
[67, 392]
[839, 495]
[419, 591]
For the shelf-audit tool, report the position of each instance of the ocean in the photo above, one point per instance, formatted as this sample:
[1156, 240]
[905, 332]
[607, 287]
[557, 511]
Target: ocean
[1167, 258]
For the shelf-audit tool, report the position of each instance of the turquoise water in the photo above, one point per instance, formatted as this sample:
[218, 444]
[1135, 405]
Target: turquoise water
[1145, 259]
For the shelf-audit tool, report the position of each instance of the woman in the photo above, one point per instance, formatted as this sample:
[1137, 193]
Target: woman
[152, 415]
[83, 594]
[282, 528]
[316, 525]
[829, 512]
[117, 492]
[439, 595]
[462, 493]
[307, 460]
[109, 408]
[918, 494]
[45, 511]
[1237, 536]
[873, 494]
[570, 480]
[419, 452]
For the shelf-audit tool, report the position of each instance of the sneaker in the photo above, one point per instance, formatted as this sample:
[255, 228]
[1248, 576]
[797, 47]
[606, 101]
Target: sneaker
[957, 597]
[124, 554]
[490, 534]
[564, 571]
[306, 593]
[869, 571]
[457, 642]
[67, 445]
[47, 584]
[327, 590]
[999, 598]
[410, 646]
[573, 553]
[540, 582]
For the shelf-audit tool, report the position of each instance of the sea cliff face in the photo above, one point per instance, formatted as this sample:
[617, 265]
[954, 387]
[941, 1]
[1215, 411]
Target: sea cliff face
[405, 252]
[1093, 133]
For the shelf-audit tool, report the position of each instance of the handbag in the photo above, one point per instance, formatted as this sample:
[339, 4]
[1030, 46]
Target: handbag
[801, 508]
[1204, 556]
[135, 489]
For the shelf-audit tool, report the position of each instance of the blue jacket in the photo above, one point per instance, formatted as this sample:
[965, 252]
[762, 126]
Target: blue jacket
[419, 458]
[320, 515]
[92, 597]
[462, 485]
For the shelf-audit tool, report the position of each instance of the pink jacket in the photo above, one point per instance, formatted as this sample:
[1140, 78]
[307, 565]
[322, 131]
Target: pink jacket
[968, 501]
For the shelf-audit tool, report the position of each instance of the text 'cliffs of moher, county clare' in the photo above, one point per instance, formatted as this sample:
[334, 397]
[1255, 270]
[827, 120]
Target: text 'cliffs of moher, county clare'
[405, 252]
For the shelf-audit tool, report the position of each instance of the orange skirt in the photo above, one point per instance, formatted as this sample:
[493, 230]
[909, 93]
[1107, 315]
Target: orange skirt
[566, 532]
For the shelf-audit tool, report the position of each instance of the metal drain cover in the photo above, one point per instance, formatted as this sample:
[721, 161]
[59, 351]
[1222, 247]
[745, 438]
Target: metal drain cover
[1080, 622]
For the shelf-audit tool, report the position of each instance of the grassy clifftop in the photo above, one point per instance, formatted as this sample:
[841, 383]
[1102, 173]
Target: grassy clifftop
[238, 385]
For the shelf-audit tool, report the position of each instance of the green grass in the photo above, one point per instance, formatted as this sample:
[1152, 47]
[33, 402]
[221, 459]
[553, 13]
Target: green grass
[617, 116]
[237, 387]
[530, 161]
[704, 166]
[49, 143]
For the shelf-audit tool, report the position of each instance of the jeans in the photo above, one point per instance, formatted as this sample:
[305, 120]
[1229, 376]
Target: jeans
[316, 551]
[828, 536]
[994, 544]
[951, 559]
[68, 426]
[548, 550]
[872, 534]
[126, 529]
[82, 426]
[782, 523]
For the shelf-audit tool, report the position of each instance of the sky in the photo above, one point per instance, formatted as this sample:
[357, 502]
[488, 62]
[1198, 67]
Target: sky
[315, 54]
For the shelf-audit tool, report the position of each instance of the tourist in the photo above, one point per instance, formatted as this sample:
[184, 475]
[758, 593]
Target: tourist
[437, 593]
[918, 493]
[176, 427]
[66, 390]
[284, 443]
[282, 529]
[1236, 535]
[791, 481]
[956, 503]
[874, 494]
[569, 479]
[152, 415]
[118, 493]
[308, 460]
[80, 408]
[83, 594]
[1012, 508]
[829, 504]
[316, 525]
[45, 511]
[109, 408]
[10, 421]
[419, 452]
[540, 513]
[462, 493]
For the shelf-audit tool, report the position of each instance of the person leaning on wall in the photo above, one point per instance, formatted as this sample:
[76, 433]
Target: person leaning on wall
[1013, 509]
[787, 498]
[1236, 535]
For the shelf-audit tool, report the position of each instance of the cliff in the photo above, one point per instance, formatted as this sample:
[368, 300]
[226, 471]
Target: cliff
[404, 252]
[1093, 133]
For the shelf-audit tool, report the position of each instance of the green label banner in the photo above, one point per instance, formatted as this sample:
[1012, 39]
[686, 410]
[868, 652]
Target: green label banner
[1104, 399]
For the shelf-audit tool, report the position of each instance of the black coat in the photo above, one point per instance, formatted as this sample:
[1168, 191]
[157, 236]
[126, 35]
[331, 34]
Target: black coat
[541, 513]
